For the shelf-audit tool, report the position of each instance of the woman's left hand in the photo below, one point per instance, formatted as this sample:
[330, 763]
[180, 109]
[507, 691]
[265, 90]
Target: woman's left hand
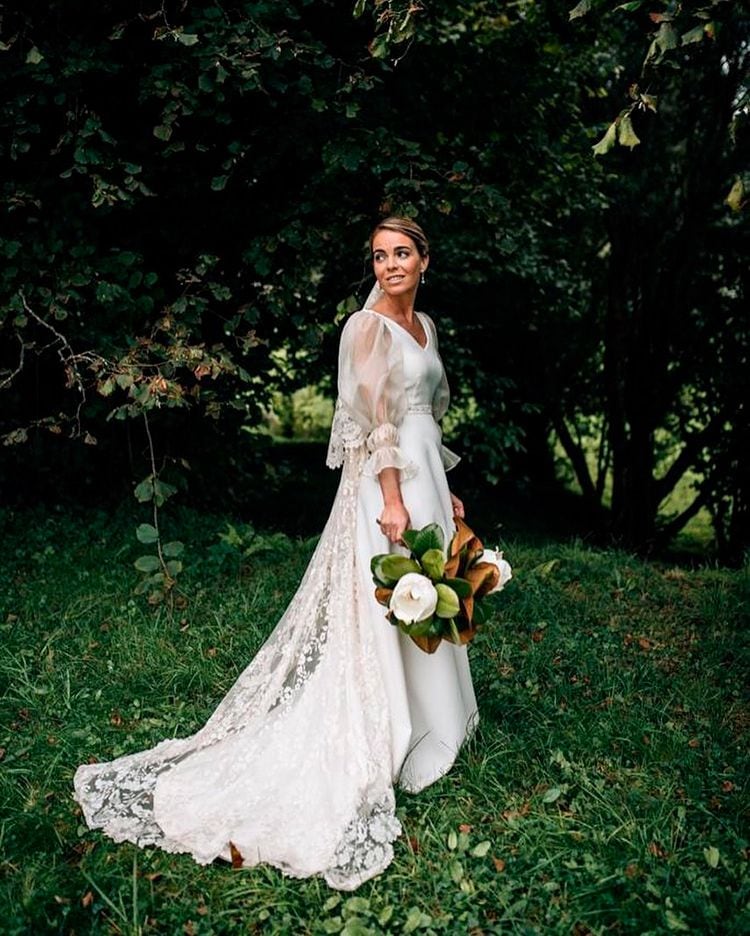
[458, 506]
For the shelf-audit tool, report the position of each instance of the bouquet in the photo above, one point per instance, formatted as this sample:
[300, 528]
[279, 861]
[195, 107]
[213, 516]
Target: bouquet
[434, 595]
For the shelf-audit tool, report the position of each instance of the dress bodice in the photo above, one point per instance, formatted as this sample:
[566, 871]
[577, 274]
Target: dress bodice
[423, 369]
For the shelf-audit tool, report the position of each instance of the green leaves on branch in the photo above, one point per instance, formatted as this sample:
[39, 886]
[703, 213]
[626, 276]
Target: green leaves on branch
[621, 129]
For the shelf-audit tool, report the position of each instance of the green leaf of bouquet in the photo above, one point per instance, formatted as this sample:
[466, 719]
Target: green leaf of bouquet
[447, 606]
[410, 537]
[456, 637]
[173, 549]
[378, 575]
[146, 533]
[433, 562]
[147, 563]
[394, 566]
[460, 586]
[420, 629]
[429, 537]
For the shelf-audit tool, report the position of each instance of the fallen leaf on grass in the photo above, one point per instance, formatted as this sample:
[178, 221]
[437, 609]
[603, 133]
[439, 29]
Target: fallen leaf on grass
[727, 786]
[236, 855]
[517, 813]
[153, 876]
[632, 870]
[87, 899]
[2, 753]
[537, 636]
[499, 864]
[115, 719]
[413, 844]
[657, 850]
[694, 743]
[465, 828]
[201, 909]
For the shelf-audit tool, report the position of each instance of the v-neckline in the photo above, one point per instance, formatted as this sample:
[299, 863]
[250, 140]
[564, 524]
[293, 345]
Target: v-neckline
[425, 329]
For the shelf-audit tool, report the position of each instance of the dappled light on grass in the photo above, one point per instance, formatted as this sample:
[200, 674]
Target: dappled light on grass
[603, 791]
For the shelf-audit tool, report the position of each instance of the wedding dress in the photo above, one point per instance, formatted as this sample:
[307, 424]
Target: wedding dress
[296, 766]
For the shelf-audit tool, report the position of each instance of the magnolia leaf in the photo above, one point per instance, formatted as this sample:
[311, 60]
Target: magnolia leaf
[429, 537]
[147, 534]
[173, 549]
[460, 586]
[420, 629]
[626, 135]
[455, 634]
[580, 9]
[736, 197]
[607, 141]
[483, 577]
[433, 562]
[428, 644]
[147, 563]
[448, 605]
[383, 595]
[392, 567]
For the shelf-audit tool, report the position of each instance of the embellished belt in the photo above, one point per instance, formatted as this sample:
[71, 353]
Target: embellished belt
[422, 409]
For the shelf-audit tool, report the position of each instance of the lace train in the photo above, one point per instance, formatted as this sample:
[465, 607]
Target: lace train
[308, 716]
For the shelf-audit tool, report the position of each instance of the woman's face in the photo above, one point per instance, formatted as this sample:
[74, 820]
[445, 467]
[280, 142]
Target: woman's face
[397, 263]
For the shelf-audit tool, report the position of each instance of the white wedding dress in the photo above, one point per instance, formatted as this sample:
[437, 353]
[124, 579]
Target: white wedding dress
[296, 766]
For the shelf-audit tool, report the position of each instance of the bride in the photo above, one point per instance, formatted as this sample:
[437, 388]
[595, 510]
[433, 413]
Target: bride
[296, 766]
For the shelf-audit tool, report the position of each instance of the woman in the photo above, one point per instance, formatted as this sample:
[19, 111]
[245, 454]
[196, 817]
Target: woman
[296, 766]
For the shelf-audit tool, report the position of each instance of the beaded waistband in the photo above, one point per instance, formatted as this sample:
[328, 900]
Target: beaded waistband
[422, 409]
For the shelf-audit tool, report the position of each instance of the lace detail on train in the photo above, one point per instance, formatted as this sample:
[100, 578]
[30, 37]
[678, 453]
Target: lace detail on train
[346, 435]
[309, 717]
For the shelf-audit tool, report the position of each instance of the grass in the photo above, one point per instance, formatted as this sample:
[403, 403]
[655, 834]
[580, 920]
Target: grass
[606, 790]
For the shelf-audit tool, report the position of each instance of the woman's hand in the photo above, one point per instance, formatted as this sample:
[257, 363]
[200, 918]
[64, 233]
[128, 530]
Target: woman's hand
[458, 506]
[394, 520]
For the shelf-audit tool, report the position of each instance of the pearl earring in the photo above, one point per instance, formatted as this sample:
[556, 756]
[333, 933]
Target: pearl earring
[422, 277]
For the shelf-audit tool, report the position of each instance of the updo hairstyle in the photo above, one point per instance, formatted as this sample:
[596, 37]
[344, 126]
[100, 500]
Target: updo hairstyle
[404, 226]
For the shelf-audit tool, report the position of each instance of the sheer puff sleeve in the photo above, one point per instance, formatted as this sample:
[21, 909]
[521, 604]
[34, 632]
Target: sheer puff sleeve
[371, 394]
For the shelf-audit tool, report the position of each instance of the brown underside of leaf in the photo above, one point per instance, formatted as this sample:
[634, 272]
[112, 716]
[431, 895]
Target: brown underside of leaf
[428, 644]
[383, 595]
[483, 576]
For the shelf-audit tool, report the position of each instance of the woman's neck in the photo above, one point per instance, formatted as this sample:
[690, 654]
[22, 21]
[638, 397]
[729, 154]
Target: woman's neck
[397, 306]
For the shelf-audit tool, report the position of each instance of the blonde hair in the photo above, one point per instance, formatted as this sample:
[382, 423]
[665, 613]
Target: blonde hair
[404, 226]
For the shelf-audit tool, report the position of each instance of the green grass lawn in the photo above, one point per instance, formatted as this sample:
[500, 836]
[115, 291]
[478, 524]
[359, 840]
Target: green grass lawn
[606, 790]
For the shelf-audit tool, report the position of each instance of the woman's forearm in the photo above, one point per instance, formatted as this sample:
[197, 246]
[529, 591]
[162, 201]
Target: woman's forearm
[390, 486]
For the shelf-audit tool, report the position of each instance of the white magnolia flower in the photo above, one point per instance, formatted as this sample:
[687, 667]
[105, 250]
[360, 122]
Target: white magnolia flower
[495, 556]
[414, 598]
